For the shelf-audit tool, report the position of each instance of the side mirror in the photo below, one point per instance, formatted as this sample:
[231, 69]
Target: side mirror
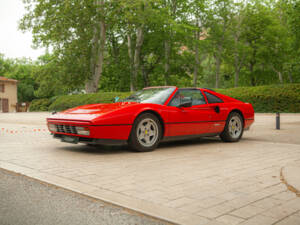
[187, 103]
[117, 98]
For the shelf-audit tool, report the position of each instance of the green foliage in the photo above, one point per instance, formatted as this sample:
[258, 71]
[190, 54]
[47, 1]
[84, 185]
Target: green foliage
[241, 43]
[21, 70]
[273, 98]
[70, 101]
[38, 105]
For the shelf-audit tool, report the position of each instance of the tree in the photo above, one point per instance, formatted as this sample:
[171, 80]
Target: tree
[76, 32]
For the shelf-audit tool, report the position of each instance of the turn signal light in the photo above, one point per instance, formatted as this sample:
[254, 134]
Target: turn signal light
[83, 131]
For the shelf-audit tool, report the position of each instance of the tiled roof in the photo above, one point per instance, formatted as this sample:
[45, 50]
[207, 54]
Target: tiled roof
[7, 79]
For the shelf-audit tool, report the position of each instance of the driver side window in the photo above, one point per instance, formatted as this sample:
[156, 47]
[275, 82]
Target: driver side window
[183, 96]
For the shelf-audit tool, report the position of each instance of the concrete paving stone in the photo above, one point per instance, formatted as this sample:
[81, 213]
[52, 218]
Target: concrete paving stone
[291, 220]
[216, 211]
[286, 196]
[275, 189]
[195, 220]
[229, 219]
[260, 220]
[297, 213]
[247, 212]
[191, 208]
[292, 204]
[231, 195]
[267, 203]
[215, 222]
[177, 203]
[279, 212]
[291, 176]
[210, 202]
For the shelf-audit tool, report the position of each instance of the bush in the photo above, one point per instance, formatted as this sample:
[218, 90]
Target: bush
[38, 105]
[70, 101]
[273, 98]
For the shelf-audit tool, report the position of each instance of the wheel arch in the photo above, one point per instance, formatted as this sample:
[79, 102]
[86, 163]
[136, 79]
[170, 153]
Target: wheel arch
[239, 112]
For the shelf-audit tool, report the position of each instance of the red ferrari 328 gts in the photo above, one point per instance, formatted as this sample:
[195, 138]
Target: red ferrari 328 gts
[152, 115]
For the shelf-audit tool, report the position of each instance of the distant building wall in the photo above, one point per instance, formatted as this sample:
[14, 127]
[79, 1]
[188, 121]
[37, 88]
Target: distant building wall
[8, 96]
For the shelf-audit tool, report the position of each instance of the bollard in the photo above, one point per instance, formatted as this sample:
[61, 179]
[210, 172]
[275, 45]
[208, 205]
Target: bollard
[277, 121]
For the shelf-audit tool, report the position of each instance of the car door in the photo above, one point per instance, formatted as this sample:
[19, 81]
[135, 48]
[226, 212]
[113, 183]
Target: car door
[192, 120]
[219, 113]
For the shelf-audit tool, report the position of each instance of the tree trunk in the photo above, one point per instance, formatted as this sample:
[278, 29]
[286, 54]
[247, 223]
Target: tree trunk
[279, 74]
[197, 61]
[130, 55]
[167, 61]
[280, 77]
[290, 77]
[218, 65]
[99, 39]
[237, 70]
[251, 68]
[137, 53]
[145, 76]
[236, 77]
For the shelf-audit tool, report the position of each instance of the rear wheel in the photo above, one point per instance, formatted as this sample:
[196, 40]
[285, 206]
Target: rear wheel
[146, 133]
[234, 128]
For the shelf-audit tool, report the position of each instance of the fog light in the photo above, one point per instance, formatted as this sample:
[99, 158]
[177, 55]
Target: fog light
[52, 127]
[83, 131]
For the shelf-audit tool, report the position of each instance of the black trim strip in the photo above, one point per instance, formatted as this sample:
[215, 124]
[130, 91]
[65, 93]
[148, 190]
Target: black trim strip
[217, 121]
[184, 137]
[95, 141]
[249, 119]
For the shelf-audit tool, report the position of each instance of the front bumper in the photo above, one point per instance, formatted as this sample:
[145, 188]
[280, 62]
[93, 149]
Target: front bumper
[86, 140]
[105, 131]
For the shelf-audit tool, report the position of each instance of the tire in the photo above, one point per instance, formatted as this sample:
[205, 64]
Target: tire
[234, 128]
[146, 133]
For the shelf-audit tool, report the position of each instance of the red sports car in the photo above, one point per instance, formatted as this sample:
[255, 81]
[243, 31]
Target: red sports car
[152, 115]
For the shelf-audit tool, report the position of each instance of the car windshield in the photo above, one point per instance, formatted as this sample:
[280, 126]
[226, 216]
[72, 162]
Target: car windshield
[151, 95]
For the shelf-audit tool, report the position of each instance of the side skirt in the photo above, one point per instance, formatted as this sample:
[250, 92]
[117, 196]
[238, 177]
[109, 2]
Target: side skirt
[179, 138]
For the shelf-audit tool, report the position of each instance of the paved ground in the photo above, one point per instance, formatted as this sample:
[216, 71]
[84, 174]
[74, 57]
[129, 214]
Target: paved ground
[203, 181]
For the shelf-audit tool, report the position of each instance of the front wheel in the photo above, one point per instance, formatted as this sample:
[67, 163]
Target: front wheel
[234, 128]
[146, 133]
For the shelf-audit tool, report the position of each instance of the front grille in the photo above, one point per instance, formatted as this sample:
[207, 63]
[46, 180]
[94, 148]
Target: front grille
[66, 129]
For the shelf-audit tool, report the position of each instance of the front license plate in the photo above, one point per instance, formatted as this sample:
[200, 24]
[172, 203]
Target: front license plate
[70, 139]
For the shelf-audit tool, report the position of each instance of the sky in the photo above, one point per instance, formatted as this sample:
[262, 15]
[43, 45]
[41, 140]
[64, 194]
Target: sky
[13, 42]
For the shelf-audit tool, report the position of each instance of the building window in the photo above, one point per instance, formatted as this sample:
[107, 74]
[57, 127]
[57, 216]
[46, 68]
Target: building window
[2, 88]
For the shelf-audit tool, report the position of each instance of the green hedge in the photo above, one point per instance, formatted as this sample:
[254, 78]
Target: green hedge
[38, 105]
[273, 98]
[70, 101]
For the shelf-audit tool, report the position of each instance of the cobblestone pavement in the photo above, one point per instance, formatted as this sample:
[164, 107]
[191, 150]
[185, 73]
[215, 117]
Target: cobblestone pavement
[203, 181]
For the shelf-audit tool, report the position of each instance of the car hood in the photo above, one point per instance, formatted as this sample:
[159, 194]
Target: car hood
[90, 112]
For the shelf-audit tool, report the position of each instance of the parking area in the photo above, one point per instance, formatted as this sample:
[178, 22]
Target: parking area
[201, 181]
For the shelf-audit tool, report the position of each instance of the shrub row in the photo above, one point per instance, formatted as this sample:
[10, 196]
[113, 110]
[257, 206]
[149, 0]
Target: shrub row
[38, 105]
[274, 98]
[70, 101]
